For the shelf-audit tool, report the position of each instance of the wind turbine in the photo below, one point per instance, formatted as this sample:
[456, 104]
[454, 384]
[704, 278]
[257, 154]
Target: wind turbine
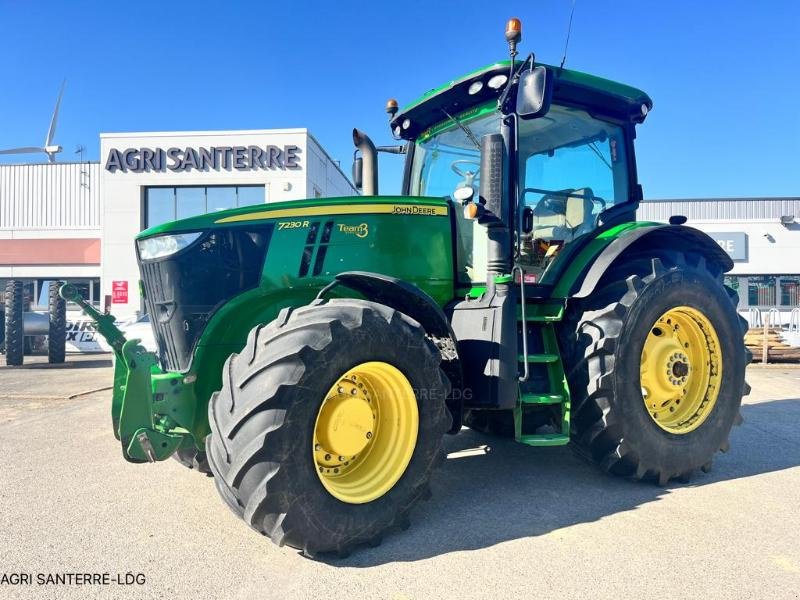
[49, 148]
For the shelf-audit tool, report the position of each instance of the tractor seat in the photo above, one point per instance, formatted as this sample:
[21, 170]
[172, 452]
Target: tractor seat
[557, 217]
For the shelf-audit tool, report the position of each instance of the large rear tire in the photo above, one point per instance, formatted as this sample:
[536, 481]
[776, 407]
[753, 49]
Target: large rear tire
[633, 415]
[292, 447]
[15, 336]
[57, 335]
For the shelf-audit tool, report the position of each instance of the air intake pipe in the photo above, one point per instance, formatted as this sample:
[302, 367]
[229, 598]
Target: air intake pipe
[369, 162]
[494, 198]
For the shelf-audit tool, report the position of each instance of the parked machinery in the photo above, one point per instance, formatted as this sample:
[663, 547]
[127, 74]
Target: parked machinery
[20, 324]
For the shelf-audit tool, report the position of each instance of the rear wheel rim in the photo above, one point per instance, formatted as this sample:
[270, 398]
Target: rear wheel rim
[365, 432]
[681, 370]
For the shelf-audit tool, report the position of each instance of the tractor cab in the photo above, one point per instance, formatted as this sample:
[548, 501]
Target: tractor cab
[567, 170]
[537, 161]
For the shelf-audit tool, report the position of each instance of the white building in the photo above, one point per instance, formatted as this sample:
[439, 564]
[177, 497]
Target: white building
[77, 221]
[50, 226]
[761, 235]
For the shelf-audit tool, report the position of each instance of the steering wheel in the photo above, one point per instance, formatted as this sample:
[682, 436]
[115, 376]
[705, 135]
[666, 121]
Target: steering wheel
[472, 175]
[566, 193]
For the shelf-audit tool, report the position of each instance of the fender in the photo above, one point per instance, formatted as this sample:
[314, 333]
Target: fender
[579, 281]
[412, 301]
[399, 295]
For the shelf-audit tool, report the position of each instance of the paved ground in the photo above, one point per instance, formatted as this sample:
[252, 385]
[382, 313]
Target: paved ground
[511, 522]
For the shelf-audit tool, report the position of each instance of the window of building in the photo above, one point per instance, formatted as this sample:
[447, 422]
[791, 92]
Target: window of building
[733, 282]
[762, 290]
[221, 198]
[88, 288]
[160, 203]
[790, 290]
[164, 204]
[189, 202]
[250, 195]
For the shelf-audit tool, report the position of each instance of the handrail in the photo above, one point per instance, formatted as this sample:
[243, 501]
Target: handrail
[776, 322]
[794, 320]
[526, 373]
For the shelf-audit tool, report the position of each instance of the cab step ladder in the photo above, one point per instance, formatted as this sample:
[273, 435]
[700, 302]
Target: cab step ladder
[542, 314]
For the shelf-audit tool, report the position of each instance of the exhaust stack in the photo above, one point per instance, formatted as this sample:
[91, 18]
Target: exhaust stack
[369, 162]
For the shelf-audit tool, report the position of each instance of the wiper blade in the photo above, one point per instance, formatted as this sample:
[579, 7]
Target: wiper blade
[464, 128]
[593, 147]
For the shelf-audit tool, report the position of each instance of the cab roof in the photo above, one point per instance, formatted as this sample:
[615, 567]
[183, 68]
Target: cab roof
[600, 97]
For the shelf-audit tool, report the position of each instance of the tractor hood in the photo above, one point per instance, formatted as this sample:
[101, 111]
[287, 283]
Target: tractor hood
[295, 209]
[198, 273]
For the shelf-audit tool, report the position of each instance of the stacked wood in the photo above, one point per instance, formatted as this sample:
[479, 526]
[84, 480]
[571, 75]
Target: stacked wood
[777, 350]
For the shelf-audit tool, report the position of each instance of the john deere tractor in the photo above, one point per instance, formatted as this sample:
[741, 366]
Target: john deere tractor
[312, 354]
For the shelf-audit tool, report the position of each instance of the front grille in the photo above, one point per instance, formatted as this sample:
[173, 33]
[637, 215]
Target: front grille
[183, 290]
[171, 359]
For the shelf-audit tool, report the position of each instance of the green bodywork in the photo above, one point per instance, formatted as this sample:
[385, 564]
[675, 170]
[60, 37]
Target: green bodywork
[624, 93]
[155, 412]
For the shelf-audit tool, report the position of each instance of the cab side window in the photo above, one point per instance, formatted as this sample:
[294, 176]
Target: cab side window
[572, 167]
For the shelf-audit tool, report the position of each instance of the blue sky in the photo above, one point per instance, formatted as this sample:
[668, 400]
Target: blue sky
[723, 74]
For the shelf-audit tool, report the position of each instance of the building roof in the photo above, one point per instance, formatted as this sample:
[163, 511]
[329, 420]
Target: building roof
[203, 132]
[720, 209]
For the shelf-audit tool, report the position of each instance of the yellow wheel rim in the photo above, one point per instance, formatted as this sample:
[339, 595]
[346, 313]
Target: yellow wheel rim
[365, 432]
[681, 370]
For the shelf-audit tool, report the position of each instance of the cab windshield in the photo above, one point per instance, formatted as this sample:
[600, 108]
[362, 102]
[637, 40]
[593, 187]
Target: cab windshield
[451, 157]
[571, 167]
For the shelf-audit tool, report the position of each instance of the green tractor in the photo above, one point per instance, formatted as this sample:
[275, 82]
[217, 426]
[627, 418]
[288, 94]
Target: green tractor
[312, 354]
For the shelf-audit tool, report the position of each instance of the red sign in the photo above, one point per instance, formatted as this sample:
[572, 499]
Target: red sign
[119, 292]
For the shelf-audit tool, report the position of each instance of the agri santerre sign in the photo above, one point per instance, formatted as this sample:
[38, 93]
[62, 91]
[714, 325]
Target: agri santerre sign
[214, 158]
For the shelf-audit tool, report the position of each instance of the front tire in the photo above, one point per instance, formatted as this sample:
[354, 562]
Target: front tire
[288, 449]
[627, 411]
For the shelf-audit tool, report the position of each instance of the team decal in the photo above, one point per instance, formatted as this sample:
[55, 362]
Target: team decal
[361, 231]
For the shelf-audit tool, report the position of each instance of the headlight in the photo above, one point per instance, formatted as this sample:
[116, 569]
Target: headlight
[475, 87]
[164, 245]
[497, 81]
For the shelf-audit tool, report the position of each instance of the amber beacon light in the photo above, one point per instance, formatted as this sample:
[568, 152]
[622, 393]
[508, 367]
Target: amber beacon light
[514, 30]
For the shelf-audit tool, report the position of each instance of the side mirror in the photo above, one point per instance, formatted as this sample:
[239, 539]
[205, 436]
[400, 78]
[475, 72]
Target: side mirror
[358, 172]
[534, 93]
